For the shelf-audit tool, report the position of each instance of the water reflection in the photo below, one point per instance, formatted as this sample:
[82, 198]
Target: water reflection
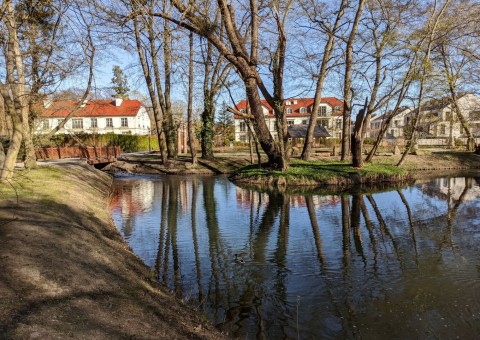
[400, 263]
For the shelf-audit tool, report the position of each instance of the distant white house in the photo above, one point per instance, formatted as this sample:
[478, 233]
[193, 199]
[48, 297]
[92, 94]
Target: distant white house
[95, 116]
[437, 121]
[395, 127]
[441, 121]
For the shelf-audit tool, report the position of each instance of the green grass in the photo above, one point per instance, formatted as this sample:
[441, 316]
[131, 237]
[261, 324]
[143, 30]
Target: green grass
[321, 170]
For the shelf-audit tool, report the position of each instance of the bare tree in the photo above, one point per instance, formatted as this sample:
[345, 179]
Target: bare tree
[424, 69]
[216, 71]
[347, 82]
[242, 51]
[330, 31]
[13, 90]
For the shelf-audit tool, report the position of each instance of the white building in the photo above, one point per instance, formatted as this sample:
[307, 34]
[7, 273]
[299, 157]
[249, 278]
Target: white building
[95, 116]
[297, 111]
[436, 120]
[395, 127]
[441, 121]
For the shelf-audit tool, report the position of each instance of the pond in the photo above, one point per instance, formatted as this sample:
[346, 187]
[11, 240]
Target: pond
[400, 263]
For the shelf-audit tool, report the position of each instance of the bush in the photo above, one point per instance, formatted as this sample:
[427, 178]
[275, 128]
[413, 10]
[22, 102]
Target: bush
[128, 143]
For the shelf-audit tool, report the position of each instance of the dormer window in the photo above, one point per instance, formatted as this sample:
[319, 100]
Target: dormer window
[303, 110]
[288, 102]
[322, 111]
[288, 110]
[242, 110]
[337, 108]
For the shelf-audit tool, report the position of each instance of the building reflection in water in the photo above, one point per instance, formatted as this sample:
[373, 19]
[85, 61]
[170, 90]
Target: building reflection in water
[396, 263]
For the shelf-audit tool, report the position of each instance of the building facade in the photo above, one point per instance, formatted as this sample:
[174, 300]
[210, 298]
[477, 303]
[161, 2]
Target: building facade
[395, 127]
[297, 112]
[437, 120]
[95, 116]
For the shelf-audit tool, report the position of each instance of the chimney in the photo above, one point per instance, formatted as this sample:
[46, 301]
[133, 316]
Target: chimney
[118, 101]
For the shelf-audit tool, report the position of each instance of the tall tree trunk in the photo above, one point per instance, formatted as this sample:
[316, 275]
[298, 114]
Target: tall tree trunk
[358, 136]
[169, 123]
[207, 133]
[347, 83]
[265, 139]
[157, 112]
[13, 92]
[191, 132]
[208, 113]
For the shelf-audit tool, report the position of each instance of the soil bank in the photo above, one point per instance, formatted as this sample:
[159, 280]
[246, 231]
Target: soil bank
[65, 271]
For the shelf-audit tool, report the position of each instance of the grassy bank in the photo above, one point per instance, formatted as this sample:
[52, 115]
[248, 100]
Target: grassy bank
[381, 170]
[321, 173]
[65, 271]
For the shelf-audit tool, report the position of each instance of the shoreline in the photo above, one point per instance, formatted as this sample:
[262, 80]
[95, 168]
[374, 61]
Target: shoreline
[242, 173]
[66, 272]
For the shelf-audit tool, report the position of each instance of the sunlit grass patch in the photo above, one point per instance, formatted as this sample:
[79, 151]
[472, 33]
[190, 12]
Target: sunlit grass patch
[322, 170]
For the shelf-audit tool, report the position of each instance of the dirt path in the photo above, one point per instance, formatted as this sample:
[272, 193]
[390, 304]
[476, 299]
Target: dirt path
[65, 271]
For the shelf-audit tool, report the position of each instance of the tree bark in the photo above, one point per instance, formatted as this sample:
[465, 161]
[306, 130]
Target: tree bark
[358, 136]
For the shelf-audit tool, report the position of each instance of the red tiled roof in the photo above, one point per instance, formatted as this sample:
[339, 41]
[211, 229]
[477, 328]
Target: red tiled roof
[94, 108]
[297, 103]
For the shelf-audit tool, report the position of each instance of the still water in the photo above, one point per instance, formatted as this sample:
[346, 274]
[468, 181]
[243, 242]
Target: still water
[401, 263]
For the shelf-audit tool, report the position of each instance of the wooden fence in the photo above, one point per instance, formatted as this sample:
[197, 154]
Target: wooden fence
[92, 154]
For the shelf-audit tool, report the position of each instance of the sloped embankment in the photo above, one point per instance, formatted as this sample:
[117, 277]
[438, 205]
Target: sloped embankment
[65, 271]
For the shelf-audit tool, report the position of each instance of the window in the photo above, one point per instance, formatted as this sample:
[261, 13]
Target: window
[395, 123]
[243, 127]
[304, 122]
[288, 110]
[45, 124]
[474, 115]
[77, 123]
[242, 110]
[323, 122]
[124, 122]
[337, 108]
[93, 123]
[392, 132]
[59, 121]
[448, 116]
[443, 130]
[322, 111]
[338, 124]
[243, 138]
[109, 122]
[290, 122]
[303, 110]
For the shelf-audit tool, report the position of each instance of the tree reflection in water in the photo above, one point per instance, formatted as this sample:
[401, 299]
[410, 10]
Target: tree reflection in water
[400, 263]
